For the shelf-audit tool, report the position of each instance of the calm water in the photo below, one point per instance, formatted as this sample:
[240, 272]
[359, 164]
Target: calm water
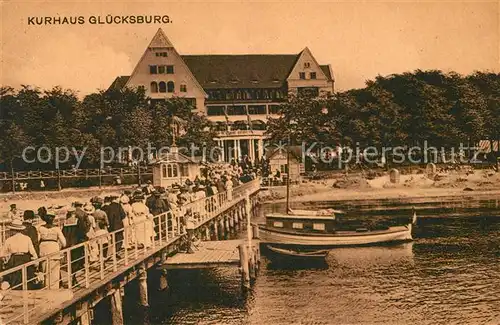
[450, 274]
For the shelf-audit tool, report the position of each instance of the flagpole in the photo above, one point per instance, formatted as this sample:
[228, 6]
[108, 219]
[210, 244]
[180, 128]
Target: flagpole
[288, 176]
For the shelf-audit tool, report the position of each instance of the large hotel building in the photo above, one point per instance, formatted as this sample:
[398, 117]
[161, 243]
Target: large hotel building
[238, 93]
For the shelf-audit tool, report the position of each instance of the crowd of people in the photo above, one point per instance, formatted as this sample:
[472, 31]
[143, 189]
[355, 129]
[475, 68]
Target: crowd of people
[47, 232]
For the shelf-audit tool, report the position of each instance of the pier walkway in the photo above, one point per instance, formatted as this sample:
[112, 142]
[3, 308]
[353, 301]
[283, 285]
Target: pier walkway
[99, 268]
[209, 254]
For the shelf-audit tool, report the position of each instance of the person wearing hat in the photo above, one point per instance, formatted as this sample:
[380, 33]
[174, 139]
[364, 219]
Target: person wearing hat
[89, 209]
[189, 224]
[200, 192]
[30, 230]
[82, 218]
[13, 213]
[51, 241]
[17, 250]
[143, 227]
[99, 214]
[116, 214]
[128, 221]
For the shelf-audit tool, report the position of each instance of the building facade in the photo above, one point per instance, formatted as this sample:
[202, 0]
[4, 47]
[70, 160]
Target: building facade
[237, 93]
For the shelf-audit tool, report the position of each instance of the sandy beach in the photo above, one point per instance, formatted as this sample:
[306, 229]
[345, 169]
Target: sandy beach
[479, 183]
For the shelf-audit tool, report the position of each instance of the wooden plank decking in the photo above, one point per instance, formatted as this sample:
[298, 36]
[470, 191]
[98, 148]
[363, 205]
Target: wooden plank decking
[208, 254]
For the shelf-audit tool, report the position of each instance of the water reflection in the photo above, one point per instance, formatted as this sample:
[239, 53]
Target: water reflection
[450, 274]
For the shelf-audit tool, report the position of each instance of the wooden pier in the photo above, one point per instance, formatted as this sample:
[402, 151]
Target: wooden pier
[243, 253]
[80, 289]
[209, 254]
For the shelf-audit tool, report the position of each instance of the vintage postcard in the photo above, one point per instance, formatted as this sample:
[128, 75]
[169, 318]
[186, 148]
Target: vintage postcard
[250, 162]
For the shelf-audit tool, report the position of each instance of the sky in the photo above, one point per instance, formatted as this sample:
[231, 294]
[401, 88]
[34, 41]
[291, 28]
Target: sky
[360, 40]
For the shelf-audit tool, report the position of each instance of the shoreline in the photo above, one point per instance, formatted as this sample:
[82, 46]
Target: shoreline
[331, 194]
[411, 187]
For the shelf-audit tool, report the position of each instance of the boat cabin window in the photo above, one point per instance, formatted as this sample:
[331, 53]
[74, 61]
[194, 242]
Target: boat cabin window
[318, 226]
[278, 224]
[297, 225]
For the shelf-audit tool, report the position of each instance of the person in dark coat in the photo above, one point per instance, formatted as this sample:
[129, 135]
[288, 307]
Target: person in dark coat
[83, 221]
[158, 206]
[116, 214]
[75, 231]
[30, 230]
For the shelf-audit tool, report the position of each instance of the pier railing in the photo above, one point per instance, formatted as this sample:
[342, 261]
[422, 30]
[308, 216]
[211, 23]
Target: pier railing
[74, 173]
[86, 266]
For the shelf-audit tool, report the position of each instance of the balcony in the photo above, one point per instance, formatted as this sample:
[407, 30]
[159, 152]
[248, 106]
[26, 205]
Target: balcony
[238, 133]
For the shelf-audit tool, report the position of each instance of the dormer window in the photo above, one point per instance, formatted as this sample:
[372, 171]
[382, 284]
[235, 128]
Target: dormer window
[307, 65]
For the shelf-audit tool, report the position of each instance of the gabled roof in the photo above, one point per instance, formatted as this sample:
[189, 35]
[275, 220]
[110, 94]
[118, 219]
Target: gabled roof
[173, 157]
[160, 40]
[295, 152]
[327, 71]
[241, 71]
[119, 83]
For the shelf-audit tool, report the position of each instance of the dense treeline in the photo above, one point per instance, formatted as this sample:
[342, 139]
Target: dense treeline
[444, 109]
[58, 118]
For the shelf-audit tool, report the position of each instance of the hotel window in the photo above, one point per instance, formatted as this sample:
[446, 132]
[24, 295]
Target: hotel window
[307, 64]
[161, 69]
[215, 110]
[154, 87]
[170, 86]
[274, 109]
[284, 168]
[297, 225]
[153, 69]
[313, 75]
[318, 226]
[256, 109]
[162, 87]
[302, 75]
[170, 69]
[236, 110]
[278, 224]
[183, 88]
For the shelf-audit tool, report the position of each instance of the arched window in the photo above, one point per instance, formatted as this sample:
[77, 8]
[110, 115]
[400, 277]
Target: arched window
[154, 87]
[170, 171]
[170, 87]
[163, 87]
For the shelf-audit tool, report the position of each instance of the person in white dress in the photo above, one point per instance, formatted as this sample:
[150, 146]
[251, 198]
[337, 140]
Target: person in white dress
[51, 241]
[128, 222]
[144, 227]
[93, 247]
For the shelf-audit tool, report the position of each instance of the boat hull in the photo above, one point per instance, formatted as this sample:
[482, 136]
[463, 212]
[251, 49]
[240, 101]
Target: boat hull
[282, 238]
[281, 256]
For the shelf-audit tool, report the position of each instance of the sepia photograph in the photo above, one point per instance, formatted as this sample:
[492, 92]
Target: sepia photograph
[249, 162]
